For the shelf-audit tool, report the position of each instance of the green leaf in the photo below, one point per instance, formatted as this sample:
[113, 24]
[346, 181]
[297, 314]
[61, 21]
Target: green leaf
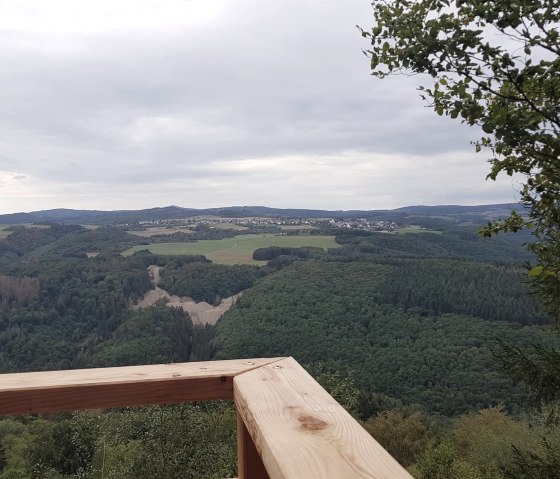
[536, 271]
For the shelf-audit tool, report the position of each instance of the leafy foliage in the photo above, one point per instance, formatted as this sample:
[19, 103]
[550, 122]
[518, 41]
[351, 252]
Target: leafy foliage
[543, 464]
[390, 324]
[437, 287]
[23, 240]
[403, 435]
[180, 441]
[207, 281]
[538, 370]
[340, 314]
[495, 65]
[490, 444]
[457, 243]
[78, 305]
[153, 336]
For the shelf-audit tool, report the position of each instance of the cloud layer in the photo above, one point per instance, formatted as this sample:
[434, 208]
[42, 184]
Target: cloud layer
[132, 104]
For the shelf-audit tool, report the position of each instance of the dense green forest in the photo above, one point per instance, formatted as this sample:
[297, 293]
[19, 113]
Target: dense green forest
[192, 441]
[456, 242]
[431, 352]
[79, 304]
[401, 328]
[209, 282]
[81, 316]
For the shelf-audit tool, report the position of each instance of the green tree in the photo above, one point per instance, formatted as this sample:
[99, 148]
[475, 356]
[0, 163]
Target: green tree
[541, 464]
[403, 435]
[495, 65]
[489, 438]
[439, 461]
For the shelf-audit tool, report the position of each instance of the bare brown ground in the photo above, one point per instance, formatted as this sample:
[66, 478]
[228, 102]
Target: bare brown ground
[200, 313]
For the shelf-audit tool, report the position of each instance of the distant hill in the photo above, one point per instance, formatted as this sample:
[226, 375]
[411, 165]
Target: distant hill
[490, 211]
[476, 214]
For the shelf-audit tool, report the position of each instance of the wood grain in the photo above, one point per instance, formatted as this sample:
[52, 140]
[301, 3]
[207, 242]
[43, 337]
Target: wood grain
[301, 432]
[249, 463]
[53, 391]
[289, 427]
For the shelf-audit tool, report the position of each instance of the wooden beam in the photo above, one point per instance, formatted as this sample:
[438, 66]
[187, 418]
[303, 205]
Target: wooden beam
[288, 425]
[301, 432]
[54, 391]
[249, 462]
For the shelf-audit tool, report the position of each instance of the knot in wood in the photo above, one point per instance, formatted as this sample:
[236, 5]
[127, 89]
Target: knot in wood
[311, 422]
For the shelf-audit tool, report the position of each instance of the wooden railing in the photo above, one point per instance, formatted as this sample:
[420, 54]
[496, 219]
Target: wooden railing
[288, 425]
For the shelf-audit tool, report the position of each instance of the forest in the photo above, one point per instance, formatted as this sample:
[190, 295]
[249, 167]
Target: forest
[402, 329]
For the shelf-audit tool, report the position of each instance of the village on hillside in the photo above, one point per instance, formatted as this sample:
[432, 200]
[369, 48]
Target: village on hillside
[363, 224]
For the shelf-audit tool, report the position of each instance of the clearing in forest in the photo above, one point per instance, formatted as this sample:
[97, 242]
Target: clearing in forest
[200, 313]
[236, 250]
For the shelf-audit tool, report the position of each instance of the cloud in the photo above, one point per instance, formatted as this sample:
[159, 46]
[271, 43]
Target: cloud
[215, 103]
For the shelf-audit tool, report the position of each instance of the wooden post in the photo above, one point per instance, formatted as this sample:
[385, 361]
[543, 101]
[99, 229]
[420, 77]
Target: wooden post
[249, 462]
[301, 432]
[288, 426]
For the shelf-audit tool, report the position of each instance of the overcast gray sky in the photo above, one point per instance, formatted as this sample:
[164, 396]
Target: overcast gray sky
[119, 104]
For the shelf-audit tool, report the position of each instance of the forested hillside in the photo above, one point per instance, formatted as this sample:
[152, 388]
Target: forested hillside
[455, 242]
[209, 282]
[79, 314]
[400, 327]
[429, 346]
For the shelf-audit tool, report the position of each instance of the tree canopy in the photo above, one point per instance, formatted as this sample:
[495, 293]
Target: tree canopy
[495, 65]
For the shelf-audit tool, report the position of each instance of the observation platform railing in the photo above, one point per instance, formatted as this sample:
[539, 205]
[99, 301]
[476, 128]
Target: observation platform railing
[288, 426]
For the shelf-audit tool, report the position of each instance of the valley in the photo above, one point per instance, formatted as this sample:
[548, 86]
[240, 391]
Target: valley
[403, 327]
[200, 312]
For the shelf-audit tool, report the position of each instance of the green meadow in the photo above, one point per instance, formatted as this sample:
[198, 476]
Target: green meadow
[238, 249]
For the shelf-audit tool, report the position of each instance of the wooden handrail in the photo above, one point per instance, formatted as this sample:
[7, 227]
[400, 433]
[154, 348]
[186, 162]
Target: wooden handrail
[54, 391]
[288, 426]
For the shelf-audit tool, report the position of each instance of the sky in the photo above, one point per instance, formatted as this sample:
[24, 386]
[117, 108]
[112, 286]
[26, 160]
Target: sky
[130, 104]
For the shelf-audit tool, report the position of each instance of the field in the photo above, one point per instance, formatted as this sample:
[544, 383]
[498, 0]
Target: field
[228, 226]
[238, 249]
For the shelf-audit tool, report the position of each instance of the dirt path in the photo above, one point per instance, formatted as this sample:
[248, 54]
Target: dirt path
[200, 313]
[155, 273]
